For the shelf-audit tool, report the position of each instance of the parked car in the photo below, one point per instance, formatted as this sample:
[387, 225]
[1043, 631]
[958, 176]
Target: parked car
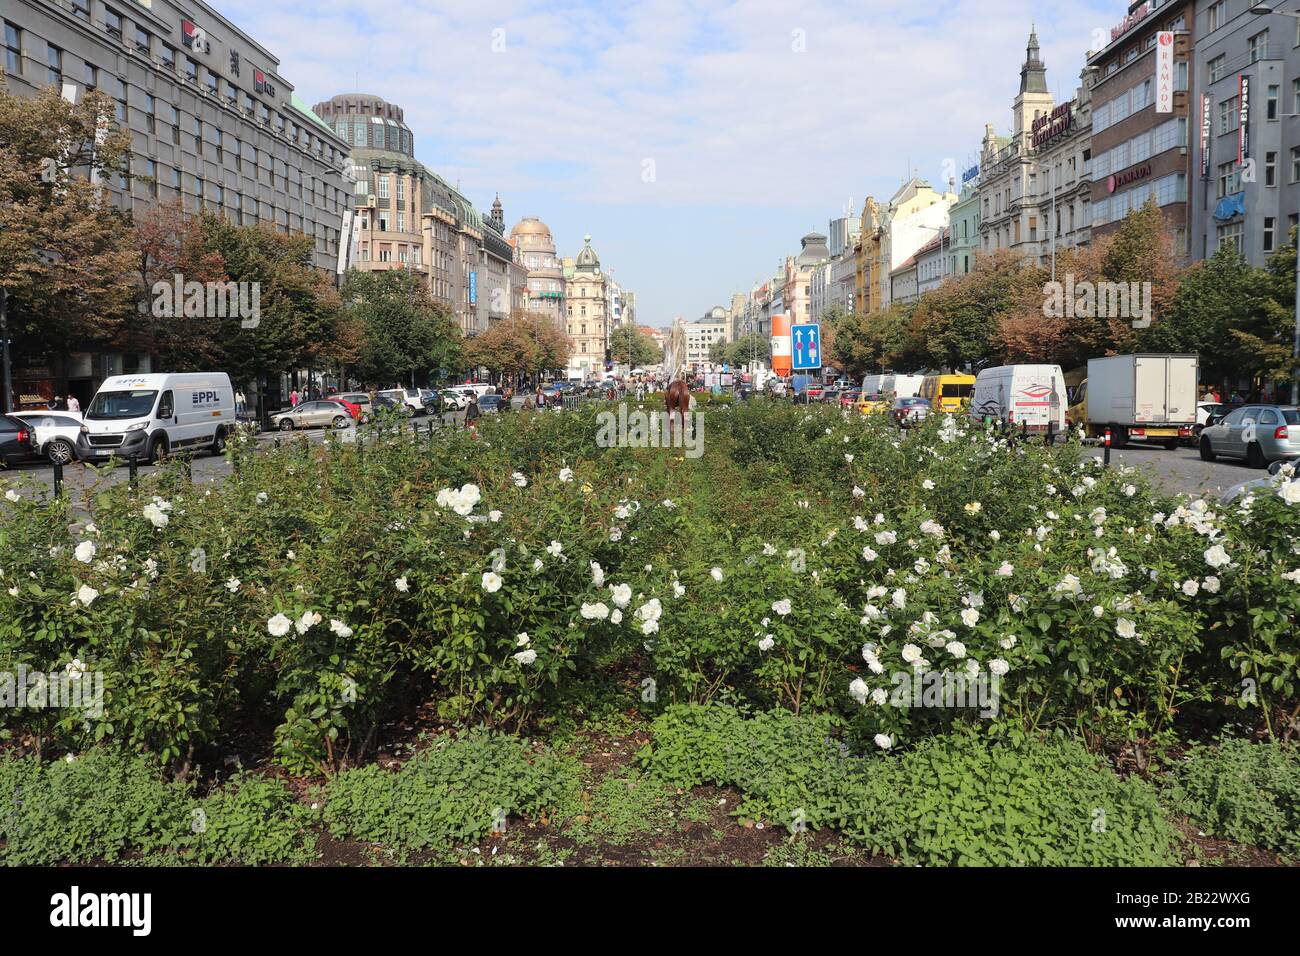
[353, 408]
[15, 441]
[871, 403]
[54, 434]
[1260, 484]
[1258, 433]
[361, 399]
[410, 397]
[849, 397]
[387, 404]
[317, 414]
[910, 411]
[489, 404]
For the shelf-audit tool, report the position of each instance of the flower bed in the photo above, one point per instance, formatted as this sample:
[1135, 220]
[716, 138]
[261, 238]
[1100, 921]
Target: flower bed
[812, 562]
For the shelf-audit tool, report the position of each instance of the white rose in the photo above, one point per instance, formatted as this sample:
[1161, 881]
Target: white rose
[970, 617]
[401, 584]
[491, 582]
[620, 594]
[279, 625]
[956, 649]
[85, 552]
[526, 656]
[884, 741]
[998, 666]
[716, 574]
[339, 628]
[781, 607]
[859, 691]
[1125, 628]
[766, 643]
[86, 595]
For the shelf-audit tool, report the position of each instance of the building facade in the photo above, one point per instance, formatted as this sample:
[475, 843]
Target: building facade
[535, 251]
[702, 334]
[964, 241]
[934, 263]
[1139, 138]
[213, 126]
[1247, 71]
[586, 302]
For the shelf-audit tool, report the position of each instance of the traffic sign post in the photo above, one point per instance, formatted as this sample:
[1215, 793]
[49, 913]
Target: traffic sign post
[807, 347]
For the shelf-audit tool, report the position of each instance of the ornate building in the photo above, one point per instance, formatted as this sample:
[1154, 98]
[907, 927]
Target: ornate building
[586, 316]
[535, 250]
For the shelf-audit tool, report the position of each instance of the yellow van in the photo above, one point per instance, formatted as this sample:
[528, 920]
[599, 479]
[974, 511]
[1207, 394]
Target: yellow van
[948, 393]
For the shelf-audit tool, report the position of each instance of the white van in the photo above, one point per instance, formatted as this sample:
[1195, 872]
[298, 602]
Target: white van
[908, 386]
[1016, 394]
[145, 416]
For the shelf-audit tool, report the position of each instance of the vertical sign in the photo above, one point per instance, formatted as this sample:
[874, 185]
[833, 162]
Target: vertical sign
[1165, 71]
[345, 243]
[1205, 135]
[1243, 118]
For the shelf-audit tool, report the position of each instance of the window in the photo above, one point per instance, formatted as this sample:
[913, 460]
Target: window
[1227, 115]
[1295, 93]
[81, 8]
[212, 83]
[1215, 16]
[142, 40]
[149, 106]
[198, 136]
[1295, 164]
[1230, 235]
[219, 139]
[1270, 230]
[1270, 169]
[1270, 101]
[167, 55]
[113, 22]
[54, 58]
[151, 175]
[13, 50]
[1216, 67]
[191, 70]
[1257, 46]
[92, 76]
[383, 187]
[232, 94]
[1229, 182]
[176, 179]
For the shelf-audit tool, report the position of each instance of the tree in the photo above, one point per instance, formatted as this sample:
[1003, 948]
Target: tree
[64, 259]
[301, 320]
[751, 347]
[520, 346]
[405, 335]
[170, 246]
[642, 348]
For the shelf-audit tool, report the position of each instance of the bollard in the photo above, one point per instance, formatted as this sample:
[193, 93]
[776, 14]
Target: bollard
[276, 442]
[58, 479]
[133, 471]
[1024, 429]
[1105, 460]
[1051, 433]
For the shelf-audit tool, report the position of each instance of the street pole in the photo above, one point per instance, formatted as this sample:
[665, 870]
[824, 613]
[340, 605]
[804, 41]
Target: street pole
[1295, 341]
[6, 404]
[1053, 225]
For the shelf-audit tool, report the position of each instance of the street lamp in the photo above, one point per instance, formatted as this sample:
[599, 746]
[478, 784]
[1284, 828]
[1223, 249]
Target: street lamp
[1259, 10]
[6, 401]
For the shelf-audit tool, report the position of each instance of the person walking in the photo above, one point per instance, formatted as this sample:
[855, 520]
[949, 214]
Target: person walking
[472, 411]
[293, 398]
[240, 402]
[73, 404]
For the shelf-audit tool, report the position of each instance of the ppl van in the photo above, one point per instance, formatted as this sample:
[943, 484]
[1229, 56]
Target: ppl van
[1031, 397]
[149, 416]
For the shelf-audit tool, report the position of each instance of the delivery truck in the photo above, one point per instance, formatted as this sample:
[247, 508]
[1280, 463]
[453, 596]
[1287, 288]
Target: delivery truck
[1148, 397]
[1029, 397]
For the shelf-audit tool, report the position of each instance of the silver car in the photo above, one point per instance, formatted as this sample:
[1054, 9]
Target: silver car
[55, 434]
[312, 415]
[1258, 433]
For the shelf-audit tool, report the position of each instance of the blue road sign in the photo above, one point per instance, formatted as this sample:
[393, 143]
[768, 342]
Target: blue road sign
[806, 341]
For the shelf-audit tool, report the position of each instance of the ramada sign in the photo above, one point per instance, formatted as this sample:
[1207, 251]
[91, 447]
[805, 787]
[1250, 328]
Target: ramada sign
[1128, 176]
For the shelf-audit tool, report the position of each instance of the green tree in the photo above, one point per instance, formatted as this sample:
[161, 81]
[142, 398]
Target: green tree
[643, 349]
[405, 333]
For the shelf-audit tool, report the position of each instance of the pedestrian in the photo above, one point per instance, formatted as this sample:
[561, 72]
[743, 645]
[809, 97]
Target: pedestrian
[293, 398]
[1209, 395]
[240, 403]
[472, 411]
[73, 404]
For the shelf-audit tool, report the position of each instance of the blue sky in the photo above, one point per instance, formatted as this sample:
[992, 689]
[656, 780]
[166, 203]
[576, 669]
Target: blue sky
[695, 141]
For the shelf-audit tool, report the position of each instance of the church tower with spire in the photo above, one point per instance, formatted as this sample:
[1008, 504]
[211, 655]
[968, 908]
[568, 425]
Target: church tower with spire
[498, 216]
[1034, 99]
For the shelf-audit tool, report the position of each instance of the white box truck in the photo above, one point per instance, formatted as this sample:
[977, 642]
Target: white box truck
[144, 416]
[1150, 397]
[1023, 396]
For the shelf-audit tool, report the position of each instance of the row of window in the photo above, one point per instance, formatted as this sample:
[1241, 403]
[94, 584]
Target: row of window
[1171, 134]
[1166, 190]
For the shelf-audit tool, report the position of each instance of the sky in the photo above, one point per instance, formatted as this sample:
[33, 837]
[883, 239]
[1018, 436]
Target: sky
[696, 142]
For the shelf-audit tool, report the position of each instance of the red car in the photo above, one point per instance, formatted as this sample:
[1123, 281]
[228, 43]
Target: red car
[849, 397]
[353, 409]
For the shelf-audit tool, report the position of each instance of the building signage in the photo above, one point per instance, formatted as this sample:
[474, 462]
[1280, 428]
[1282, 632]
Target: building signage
[473, 288]
[1120, 180]
[261, 84]
[1206, 128]
[1243, 118]
[1052, 125]
[972, 173]
[1137, 14]
[1165, 71]
[194, 37]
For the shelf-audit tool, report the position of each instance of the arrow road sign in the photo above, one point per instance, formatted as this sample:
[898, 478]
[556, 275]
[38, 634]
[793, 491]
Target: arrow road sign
[807, 341]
